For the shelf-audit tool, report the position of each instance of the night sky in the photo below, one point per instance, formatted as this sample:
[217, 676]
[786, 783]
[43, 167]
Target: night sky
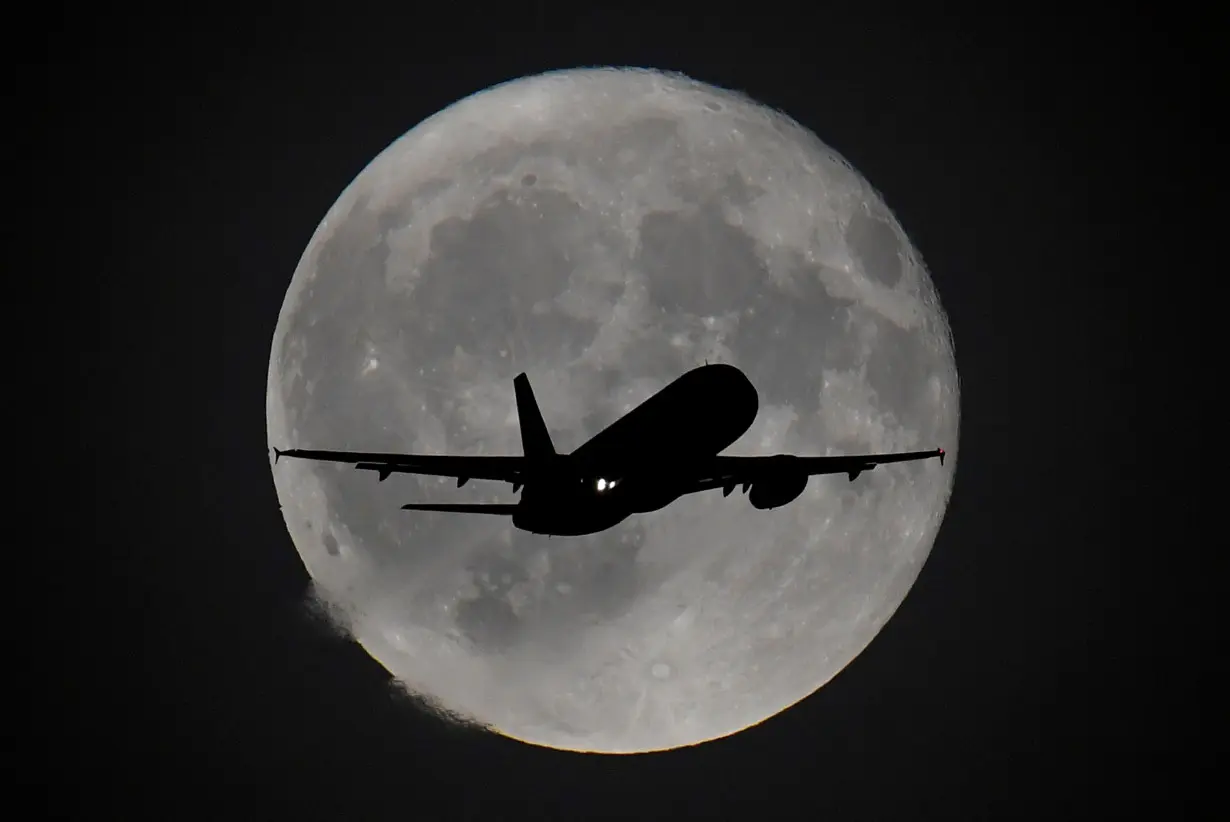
[1025, 675]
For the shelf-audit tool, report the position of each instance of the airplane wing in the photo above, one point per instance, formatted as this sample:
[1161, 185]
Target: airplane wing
[727, 472]
[501, 468]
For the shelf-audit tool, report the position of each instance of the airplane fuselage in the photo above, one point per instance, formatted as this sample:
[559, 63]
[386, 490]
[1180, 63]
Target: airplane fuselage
[696, 416]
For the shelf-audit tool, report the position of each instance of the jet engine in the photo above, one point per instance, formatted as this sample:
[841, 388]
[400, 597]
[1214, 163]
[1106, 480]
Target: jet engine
[785, 486]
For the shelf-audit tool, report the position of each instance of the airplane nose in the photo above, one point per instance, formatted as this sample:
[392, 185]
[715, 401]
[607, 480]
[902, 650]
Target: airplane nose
[722, 370]
[748, 399]
[735, 390]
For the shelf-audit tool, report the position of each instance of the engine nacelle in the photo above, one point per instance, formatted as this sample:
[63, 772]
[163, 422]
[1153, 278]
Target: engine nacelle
[784, 487]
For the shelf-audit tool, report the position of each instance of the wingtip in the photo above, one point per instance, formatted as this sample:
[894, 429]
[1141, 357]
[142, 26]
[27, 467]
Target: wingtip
[941, 452]
[277, 455]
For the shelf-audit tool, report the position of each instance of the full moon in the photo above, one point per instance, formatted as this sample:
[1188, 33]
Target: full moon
[605, 230]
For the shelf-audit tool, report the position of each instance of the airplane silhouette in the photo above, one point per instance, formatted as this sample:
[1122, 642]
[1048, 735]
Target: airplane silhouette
[664, 448]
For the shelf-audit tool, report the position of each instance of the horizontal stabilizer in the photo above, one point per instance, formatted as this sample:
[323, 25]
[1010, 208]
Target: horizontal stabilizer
[507, 509]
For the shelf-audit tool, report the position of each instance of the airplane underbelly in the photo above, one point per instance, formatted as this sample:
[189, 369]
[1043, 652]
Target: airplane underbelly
[569, 517]
[653, 501]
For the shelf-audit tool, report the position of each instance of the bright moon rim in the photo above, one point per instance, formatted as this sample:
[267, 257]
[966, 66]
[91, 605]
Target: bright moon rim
[605, 231]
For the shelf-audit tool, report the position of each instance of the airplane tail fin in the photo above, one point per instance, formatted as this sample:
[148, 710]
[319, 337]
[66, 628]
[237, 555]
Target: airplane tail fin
[535, 440]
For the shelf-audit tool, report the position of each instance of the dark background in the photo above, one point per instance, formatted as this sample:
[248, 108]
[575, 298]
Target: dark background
[1046, 172]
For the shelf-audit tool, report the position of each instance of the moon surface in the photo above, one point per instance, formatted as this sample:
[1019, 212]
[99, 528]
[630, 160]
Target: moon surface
[606, 230]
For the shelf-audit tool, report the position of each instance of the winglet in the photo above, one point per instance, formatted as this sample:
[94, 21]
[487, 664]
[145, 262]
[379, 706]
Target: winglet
[277, 455]
[941, 456]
